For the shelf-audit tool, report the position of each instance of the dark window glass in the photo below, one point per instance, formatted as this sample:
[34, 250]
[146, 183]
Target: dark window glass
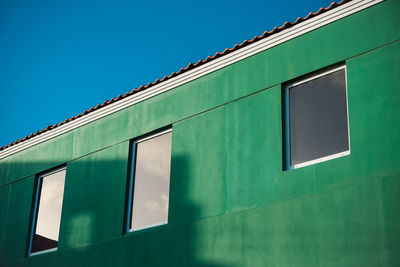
[151, 182]
[48, 211]
[318, 118]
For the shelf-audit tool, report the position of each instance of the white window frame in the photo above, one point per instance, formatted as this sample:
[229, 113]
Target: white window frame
[38, 191]
[131, 178]
[287, 87]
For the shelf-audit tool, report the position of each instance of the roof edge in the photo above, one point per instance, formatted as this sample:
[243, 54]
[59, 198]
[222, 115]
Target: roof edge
[269, 39]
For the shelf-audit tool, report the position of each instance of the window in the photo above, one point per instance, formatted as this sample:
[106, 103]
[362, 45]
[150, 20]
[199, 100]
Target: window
[316, 119]
[149, 181]
[49, 194]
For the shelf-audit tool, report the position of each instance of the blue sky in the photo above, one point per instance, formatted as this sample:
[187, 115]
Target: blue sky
[58, 58]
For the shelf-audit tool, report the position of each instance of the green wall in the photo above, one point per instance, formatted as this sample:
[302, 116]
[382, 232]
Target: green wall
[231, 203]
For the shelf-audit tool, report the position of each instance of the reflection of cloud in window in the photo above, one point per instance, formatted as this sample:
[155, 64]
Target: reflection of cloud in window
[152, 205]
[151, 190]
[49, 211]
[165, 200]
[154, 156]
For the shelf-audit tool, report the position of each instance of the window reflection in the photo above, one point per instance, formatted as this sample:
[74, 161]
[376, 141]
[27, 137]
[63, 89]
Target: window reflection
[51, 192]
[318, 118]
[151, 182]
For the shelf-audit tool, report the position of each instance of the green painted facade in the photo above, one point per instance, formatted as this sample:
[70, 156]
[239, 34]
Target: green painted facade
[231, 202]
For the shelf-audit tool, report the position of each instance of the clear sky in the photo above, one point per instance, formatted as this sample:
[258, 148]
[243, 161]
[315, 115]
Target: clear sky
[58, 58]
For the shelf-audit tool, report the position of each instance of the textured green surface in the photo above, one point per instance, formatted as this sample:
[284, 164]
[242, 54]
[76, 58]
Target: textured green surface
[15, 207]
[231, 203]
[94, 197]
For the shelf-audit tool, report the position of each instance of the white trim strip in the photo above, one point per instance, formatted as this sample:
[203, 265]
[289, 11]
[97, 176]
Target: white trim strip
[43, 251]
[245, 52]
[53, 172]
[153, 136]
[316, 76]
[315, 161]
[147, 226]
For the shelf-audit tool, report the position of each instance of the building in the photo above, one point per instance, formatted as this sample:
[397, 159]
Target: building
[283, 151]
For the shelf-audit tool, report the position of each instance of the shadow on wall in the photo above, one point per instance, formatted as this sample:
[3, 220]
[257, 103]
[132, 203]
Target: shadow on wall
[179, 243]
[92, 220]
[312, 230]
[196, 243]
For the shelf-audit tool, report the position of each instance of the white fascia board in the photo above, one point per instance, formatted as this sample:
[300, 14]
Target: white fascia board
[226, 60]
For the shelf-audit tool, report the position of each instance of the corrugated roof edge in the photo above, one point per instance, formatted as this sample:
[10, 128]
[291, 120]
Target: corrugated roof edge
[183, 70]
